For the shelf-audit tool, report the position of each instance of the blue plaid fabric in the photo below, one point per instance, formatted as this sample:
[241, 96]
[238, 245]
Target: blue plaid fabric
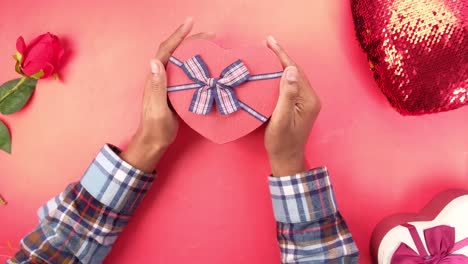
[310, 227]
[82, 223]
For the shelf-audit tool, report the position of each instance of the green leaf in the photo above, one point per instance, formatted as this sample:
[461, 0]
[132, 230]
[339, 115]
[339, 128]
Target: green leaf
[5, 138]
[15, 94]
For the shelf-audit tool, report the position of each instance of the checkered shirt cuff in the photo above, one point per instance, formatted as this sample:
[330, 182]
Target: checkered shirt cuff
[114, 182]
[303, 197]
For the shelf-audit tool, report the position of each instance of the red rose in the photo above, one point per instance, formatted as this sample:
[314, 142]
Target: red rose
[43, 53]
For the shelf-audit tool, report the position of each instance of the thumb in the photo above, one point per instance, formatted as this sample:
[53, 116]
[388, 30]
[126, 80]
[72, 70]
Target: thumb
[289, 90]
[158, 81]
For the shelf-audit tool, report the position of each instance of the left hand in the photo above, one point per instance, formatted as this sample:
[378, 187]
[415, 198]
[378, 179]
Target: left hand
[158, 126]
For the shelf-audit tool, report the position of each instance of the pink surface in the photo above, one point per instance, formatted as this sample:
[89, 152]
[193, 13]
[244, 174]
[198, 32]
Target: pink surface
[260, 95]
[381, 162]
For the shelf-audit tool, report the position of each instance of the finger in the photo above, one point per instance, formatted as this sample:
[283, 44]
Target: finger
[289, 92]
[280, 52]
[157, 85]
[203, 35]
[168, 46]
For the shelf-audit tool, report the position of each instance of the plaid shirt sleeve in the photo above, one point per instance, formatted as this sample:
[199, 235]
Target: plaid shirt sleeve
[310, 227]
[82, 223]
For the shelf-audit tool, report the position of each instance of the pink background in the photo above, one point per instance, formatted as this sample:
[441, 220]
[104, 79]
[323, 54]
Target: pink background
[381, 162]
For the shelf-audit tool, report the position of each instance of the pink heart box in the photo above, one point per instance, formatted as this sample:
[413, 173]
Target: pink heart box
[260, 95]
[447, 208]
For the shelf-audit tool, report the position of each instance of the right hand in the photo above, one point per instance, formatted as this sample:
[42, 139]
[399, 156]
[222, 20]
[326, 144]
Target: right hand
[295, 113]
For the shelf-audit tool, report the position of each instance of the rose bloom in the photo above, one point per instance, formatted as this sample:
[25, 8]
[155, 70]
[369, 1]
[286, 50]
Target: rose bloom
[43, 53]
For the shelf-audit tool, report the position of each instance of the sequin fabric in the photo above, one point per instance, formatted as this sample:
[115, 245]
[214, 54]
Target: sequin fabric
[418, 51]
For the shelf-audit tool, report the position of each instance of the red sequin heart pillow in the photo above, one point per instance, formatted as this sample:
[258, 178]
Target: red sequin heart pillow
[418, 51]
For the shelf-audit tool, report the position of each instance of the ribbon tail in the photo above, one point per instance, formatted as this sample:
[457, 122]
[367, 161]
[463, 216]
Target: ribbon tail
[460, 244]
[226, 100]
[202, 101]
[253, 113]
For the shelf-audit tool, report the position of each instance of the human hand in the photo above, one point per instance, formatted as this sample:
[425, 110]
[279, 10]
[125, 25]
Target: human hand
[290, 124]
[158, 126]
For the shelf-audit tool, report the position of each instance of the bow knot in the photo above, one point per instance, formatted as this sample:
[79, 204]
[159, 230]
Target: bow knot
[212, 82]
[440, 242]
[219, 90]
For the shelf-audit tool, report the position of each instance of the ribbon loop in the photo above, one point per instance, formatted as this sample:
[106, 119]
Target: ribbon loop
[213, 89]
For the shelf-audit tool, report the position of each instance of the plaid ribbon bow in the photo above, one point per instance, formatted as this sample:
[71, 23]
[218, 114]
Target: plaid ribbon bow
[217, 90]
[213, 89]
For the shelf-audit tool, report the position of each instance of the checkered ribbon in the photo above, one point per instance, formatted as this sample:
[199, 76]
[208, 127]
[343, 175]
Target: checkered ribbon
[217, 90]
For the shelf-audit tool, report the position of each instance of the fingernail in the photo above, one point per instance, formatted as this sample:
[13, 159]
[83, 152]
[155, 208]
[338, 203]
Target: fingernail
[272, 40]
[187, 23]
[291, 74]
[155, 69]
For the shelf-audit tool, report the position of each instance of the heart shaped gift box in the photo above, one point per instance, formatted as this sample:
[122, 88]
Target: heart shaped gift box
[438, 232]
[223, 94]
